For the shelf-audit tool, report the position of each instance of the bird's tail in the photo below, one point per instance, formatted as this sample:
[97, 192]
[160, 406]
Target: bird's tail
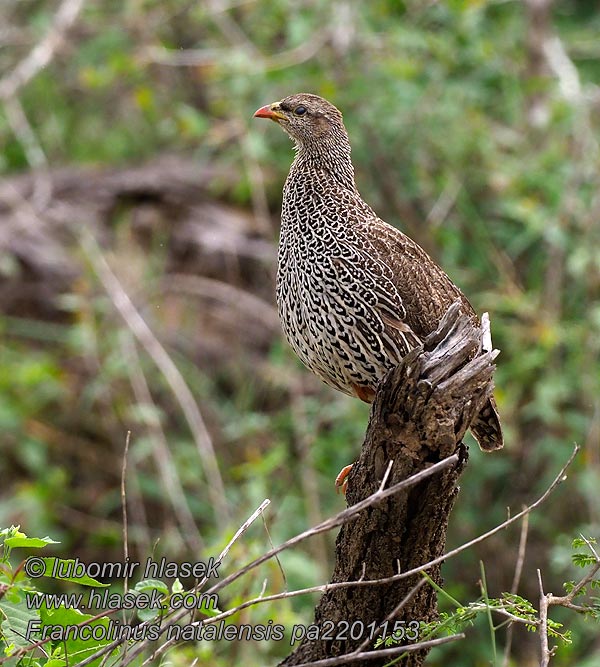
[486, 427]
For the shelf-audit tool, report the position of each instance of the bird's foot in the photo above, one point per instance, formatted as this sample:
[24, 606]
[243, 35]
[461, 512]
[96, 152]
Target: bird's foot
[341, 483]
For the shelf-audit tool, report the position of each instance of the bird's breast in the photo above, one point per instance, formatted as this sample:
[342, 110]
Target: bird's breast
[329, 304]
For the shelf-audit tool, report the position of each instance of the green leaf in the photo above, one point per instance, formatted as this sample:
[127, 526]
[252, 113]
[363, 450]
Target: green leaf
[148, 614]
[15, 538]
[30, 542]
[17, 618]
[583, 560]
[151, 584]
[580, 542]
[206, 608]
[68, 565]
[76, 648]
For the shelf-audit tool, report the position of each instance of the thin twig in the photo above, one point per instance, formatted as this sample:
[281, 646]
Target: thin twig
[304, 434]
[43, 52]
[259, 63]
[25, 135]
[515, 584]
[231, 30]
[444, 203]
[160, 451]
[244, 527]
[561, 477]
[342, 517]
[567, 600]
[543, 628]
[125, 525]
[382, 653]
[405, 600]
[181, 614]
[258, 191]
[145, 335]
[249, 304]
[386, 475]
[124, 505]
[283, 575]
[520, 555]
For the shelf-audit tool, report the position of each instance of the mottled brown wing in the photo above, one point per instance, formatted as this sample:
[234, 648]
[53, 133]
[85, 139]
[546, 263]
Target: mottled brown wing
[486, 428]
[425, 289]
[426, 292]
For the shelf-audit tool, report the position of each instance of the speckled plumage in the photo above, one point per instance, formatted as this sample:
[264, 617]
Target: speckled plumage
[354, 294]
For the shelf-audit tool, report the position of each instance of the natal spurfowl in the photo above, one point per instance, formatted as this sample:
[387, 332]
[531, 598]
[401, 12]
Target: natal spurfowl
[354, 294]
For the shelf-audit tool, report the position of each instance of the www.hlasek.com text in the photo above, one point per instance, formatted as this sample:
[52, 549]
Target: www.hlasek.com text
[131, 600]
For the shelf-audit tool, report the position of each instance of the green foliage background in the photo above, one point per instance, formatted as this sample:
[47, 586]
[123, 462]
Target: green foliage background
[459, 139]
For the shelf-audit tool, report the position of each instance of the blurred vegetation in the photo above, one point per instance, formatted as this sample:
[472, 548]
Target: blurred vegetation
[466, 133]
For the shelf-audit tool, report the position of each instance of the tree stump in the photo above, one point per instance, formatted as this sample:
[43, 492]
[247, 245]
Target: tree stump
[419, 417]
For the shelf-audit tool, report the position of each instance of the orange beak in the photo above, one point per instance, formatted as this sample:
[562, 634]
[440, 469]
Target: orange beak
[269, 111]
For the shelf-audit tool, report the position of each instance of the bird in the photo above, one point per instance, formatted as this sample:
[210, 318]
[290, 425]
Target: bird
[354, 294]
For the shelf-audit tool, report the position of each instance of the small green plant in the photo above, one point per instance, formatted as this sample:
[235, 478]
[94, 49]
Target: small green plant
[513, 608]
[26, 611]
[47, 630]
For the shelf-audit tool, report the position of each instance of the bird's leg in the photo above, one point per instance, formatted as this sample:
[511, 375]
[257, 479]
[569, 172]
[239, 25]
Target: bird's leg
[366, 394]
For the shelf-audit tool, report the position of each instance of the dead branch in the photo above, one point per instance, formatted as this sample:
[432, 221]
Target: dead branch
[169, 196]
[43, 52]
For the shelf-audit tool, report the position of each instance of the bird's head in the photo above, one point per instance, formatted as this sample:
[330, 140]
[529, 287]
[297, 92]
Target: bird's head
[308, 119]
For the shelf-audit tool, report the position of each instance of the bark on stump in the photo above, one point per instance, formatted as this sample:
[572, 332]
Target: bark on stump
[421, 412]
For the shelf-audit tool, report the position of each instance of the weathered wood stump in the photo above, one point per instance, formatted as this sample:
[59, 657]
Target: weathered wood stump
[420, 415]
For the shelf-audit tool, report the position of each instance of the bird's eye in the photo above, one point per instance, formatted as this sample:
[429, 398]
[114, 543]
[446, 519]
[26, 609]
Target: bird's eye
[300, 110]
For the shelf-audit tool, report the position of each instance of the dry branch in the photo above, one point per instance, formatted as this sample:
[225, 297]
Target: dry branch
[43, 52]
[420, 415]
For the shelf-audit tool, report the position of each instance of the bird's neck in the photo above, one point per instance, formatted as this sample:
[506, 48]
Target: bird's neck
[330, 159]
